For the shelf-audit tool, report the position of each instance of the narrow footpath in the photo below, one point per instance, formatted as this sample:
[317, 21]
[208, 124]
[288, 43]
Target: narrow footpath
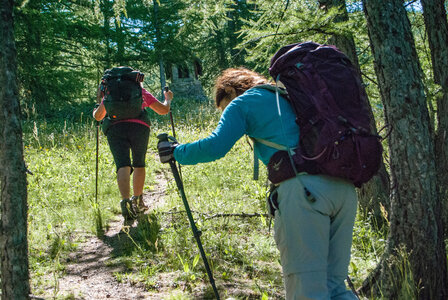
[88, 275]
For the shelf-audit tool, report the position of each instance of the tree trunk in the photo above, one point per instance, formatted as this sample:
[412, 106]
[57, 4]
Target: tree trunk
[235, 15]
[106, 9]
[436, 25]
[13, 238]
[120, 39]
[220, 44]
[374, 193]
[416, 236]
[158, 48]
[232, 16]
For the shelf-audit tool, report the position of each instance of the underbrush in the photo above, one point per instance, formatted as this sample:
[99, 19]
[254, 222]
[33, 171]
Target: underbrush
[227, 204]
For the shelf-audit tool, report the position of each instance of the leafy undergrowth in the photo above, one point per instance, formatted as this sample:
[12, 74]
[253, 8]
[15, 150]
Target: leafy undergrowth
[160, 253]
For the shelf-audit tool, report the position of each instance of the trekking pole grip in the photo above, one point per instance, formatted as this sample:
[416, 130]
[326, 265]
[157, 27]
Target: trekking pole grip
[163, 137]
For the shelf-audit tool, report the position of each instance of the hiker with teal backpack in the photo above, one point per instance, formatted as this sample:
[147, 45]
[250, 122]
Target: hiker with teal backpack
[314, 212]
[125, 122]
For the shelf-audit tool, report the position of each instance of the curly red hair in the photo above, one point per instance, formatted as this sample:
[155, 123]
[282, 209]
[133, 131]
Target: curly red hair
[240, 79]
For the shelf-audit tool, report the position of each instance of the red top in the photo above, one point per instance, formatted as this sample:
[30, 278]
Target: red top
[148, 99]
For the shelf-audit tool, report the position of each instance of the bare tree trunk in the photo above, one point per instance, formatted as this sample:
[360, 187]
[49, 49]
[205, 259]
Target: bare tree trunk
[157, 46]
[238, 8]
[374, 193]
[107, 14]
[120, 39]
[415, 234]
[436, 25]
[13, 238]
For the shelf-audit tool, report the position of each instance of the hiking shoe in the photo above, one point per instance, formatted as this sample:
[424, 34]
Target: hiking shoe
[128, 209]
[139, 204]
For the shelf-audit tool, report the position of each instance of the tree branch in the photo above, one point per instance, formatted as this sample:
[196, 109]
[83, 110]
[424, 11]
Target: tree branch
[221, 215]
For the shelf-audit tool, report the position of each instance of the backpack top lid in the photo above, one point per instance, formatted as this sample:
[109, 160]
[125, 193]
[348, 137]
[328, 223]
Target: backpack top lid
[323, 80]
[123, 93]
[280, 61]
[294, 54]
[123, 72]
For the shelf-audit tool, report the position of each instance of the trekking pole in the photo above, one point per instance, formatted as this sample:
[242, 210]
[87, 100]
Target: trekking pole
[352, 287]
[99, 220]
[172, 124]
[197, 233]
[98, 100]
[97, 154]
[166, 89]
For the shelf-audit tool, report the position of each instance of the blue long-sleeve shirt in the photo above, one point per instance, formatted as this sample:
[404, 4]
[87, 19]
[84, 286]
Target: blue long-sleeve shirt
[254, 113]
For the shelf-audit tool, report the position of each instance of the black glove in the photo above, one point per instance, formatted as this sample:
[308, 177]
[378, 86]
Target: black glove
[166, 149]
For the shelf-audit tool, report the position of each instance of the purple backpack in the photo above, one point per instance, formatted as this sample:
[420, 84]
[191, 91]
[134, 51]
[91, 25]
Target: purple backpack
[332, 112]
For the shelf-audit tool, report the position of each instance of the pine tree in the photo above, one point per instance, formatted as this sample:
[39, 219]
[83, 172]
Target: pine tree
[13, 230]
[415, 231]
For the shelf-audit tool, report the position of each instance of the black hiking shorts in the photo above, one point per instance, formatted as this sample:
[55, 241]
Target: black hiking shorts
[128, 138]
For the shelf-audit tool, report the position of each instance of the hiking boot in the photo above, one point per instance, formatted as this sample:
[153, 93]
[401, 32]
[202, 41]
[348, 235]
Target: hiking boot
[128, 210]
[139, 204]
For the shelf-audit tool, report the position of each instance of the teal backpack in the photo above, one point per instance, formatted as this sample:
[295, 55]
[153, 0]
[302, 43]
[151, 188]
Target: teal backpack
[122, 95]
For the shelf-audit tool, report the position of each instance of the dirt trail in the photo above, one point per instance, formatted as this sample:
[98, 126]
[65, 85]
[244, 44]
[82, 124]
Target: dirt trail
[89, 276]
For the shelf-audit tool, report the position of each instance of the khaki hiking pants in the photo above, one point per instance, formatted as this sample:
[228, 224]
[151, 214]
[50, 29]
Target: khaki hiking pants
[313, 231]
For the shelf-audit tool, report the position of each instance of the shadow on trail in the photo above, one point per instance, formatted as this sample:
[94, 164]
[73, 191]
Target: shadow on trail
[88, 261]
[142, 236]
[143, 239]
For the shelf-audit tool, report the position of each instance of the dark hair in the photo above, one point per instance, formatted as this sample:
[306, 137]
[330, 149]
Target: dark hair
[241, 79]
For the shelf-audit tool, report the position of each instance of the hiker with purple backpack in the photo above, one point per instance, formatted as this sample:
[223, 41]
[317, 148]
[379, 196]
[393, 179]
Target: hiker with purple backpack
[314, 212]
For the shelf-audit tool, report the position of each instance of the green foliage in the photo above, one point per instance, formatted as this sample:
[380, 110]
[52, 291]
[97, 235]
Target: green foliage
[211, 30]
[63, 163]
[403, 285]
[282, 23]
[369, 244]
[64, 46]
[56, 47]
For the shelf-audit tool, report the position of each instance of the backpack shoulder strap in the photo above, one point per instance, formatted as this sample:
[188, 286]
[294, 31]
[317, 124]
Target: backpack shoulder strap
[256, 162]
[272, 88]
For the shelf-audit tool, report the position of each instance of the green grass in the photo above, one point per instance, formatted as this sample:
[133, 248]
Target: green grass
[241, 250]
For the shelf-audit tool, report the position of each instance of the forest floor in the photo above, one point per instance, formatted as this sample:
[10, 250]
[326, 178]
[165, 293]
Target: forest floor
[88, 275]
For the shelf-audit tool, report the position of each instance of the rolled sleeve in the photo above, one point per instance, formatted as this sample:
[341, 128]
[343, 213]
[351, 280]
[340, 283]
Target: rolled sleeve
[148, 98]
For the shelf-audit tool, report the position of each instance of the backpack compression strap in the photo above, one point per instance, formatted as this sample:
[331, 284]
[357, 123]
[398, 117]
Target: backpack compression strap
[271, 144]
